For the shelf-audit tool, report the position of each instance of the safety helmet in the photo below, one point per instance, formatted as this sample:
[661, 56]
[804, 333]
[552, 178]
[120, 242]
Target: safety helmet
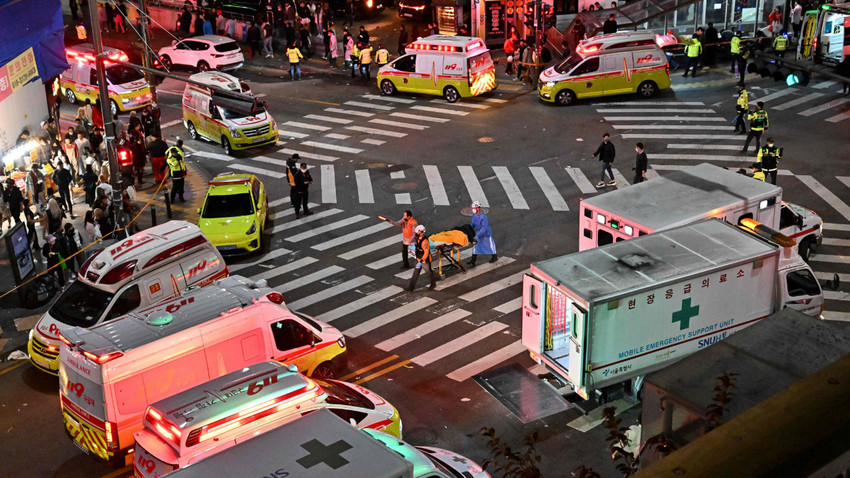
[420, 229]
[476, 205]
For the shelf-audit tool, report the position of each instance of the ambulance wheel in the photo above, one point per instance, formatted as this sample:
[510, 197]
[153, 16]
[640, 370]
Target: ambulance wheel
[228, 150]
[113, 107]
[203, 66]
[565, 97]
[324, 370]
[193, 133]
[387, 87]
[166, 62]
[451, 94]
[647, 89]
[70, 96]
[805, 249]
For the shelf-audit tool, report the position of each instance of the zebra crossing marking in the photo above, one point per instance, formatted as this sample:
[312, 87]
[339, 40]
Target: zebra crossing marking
[328, 119]
[512, 305]
[731, 137]
[337, 136]
[328, 184]
[291, 285]
[371, 247]
[299, 124]
[255, 170]
[487, 362]
[549, 190]
[360, 303]
[396, 174]
[326, 228]
[838, 316]
[724, 147]
[838, 117]
[265, 159]
[824, 107]
[660, 118]
[278, 202]
[376, 142]
[291, 134]
[669, 127]
[399, 124]
[511, 188]
[652, 103]
[653, 110]
[370, 105]
[474, 272]
[844, 278]
[332, 147]
[354, 236]
[435, 185]
[798, 101]
[825, 84]
[306, 155]
[391, 99]
[778, 94]
[439, 110]
[702, 157]
[494, 100]
[403, 198]
[584, 184]
[342, 111]
[389, 317]
[826, 194]
[376, 131]
[476, 192]
[493, 287]
[831, 241]
[286, 213]
[432, 325]
[218, 156]
[831, 226]
[458, 344]
[285, 268]
[462, 105]
[430, 119]
[266, 258]
[329, 292]
[831, 258]
[621, 180]
[364, 186]
[304, 220]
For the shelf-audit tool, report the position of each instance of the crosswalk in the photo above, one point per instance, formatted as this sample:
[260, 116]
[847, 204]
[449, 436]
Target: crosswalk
[826, 104]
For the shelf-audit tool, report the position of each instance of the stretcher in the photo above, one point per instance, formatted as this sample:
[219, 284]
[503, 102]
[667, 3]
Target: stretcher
[451, 242]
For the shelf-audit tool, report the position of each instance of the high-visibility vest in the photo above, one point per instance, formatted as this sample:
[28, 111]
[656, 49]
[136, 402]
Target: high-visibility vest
[780, 42]
[423, 249]
[758, 175]
[407, 227]
[758, 120]
[173, 150]
[294, 55]
[365, 56]
[175, 165]
[769, 158]
[694, 49]
[735, 46]
[743, 101]
[382, 56]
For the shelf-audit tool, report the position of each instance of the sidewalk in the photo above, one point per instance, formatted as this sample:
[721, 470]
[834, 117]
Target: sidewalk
[16, 321]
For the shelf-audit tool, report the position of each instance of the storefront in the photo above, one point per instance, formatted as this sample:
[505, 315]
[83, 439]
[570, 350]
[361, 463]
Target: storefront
[453, 16]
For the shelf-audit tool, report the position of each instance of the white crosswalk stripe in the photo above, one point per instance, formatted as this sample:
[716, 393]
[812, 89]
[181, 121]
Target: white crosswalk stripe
[584, 185]
[391, 99]
[205, 154]
[492, 288]
[337, 136]
[328, 184]
[333, 291]
[332, 147]
[549, 190]
[343, 111]
[495, 100]
[476, 193]
[376, 142]
[403, 198]
[654, 110]
[328, 119]
[307, 155]
[458, 344]
[839, 117]
[621, 180]
[371, 247]
[352, 237]
[778, 94]
[399, 124]
[304, 220]
[265, 259]
[702, 157]
[669, 127]
[370, 105]
[512, 305]
[511, 189]
[278, 202]
[725, 147]
[462, 104]
[798, 101]
[824, 107]
[661, 118]
[439, 110]
[825, 84]
[391, 316]
[260, 171]
[286, 213]
[291, 285]
[364, 186]
[826, 195]
[424, 329]
[326, 228]
[265, 159]
[291, 134]
[379, 132]
[360, 303]
[652, 103]
[285, 269]
[717, 137]
[299, 124]
[435, 184]
[430, 119]
[487, 362]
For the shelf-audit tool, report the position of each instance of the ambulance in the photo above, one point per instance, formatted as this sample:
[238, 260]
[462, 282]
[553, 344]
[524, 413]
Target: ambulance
[142, 270]
[110, 374]
[222, 413]
[451, 66]
[236, 122]
[604, 65]
[127, 87]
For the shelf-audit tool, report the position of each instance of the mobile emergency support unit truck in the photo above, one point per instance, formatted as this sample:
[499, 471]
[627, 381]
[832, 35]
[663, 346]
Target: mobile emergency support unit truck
[234, 122]
[452, 66]
[127, 87]
[109, 374]
[690, 195]
[144, 269]
[317, 445]
[607, 315]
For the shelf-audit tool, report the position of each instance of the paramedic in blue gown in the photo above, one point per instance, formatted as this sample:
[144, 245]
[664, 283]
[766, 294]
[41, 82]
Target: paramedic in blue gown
[483, 235]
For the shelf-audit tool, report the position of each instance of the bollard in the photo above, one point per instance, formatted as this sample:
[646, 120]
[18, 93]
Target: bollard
[167, 204]
[153, 215]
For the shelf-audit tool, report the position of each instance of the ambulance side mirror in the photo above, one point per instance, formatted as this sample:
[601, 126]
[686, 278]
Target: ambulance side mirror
[799, 222]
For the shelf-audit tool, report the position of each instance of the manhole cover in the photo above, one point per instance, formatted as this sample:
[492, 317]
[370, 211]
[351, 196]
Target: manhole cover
[486, 139]
[376, 165]
[420, 436]
[404, 186]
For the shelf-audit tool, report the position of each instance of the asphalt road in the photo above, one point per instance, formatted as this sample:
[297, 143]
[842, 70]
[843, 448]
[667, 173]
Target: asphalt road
[530, 163]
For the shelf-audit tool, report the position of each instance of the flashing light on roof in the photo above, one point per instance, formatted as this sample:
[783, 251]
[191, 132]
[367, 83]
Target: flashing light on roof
[160, 318]
[587, 49]
[767, 233]
[275, 297]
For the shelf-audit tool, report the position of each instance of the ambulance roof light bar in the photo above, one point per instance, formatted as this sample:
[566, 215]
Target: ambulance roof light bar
[767, 233]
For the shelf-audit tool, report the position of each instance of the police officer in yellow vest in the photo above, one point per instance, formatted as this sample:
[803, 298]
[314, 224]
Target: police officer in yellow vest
[768, 158]
[365, 56]
[780, 43]
[758, 124]
[355, 58]
[737, 51]
[757, 173]
[174, 159]
[741, 108]
[295, 56]
[382, 56]
[692, 54]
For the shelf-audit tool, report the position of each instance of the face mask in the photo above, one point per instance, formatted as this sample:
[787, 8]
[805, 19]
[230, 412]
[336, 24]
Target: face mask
[637, 150]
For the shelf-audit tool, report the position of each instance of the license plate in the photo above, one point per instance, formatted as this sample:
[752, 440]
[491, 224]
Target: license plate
[259, 140]
[226, 248]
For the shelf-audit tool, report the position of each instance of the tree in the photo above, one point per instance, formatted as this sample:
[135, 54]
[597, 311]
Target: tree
[513, 464]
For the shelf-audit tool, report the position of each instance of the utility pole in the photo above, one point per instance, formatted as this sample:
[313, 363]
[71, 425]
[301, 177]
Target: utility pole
[146, 54]
[106, 110]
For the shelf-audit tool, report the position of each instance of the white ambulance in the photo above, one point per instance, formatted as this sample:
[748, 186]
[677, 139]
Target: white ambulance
[146, 268]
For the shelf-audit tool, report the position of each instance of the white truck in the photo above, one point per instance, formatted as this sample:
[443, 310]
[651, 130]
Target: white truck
[690, 195]
[605, 317]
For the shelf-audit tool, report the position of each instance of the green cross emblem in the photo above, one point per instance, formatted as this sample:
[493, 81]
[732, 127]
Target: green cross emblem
[684, 316]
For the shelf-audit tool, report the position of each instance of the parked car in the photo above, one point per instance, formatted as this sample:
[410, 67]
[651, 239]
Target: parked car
[205, 52]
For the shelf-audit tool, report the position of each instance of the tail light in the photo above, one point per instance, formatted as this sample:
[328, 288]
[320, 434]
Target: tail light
[65, 340]
[217, 55]
[102, 359]
[119, 273]
[164, 427]
[111, 442]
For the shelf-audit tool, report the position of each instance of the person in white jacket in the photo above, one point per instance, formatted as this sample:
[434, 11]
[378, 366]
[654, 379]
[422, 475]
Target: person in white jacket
[334, 48]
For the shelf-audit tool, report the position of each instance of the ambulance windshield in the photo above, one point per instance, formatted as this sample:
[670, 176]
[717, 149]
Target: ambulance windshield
[120, 74]
[80, 304]
[568, 64]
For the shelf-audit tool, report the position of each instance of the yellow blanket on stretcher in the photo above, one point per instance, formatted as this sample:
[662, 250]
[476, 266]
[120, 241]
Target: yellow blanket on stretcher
[453, 237]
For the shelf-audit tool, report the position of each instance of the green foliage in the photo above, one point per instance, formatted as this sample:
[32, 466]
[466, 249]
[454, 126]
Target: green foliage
[513, 464]
[722, 396]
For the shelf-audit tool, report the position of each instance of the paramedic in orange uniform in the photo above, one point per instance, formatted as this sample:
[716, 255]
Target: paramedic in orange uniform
[407, 224]
[423, 258]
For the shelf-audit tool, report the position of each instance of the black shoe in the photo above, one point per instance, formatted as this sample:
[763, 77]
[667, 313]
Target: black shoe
[432, 287]
[405, 266]
[308, 213]
[298, 215]
[494, 258]
[409, 289]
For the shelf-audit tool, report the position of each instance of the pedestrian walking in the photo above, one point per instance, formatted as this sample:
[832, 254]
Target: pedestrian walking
[606, 153]
[157, 150]
[641, 164]
[407, 224]
[31, 220]
[510, 50]
[292, 178]
[742, 105]
[35, 185]
[711, 38]
[758, 124]
[294, 55]
[54, 216]
[253, 37]
[302, 184]
[347, 49]
[174, 158]
[692, 54]
[402, 41]
[484, 243]
[89, 184]
[62, 178]
[780, 44]
[14, 198]
[365, 60]
[422, 253]
[769, 157]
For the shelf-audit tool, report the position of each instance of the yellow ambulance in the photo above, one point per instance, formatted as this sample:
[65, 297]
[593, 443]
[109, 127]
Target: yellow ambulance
[451, 66]
[128, 89]
[235, 122]
[612, 64]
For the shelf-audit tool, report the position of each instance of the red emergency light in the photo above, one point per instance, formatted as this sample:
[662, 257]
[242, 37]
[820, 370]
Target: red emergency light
[124, 158]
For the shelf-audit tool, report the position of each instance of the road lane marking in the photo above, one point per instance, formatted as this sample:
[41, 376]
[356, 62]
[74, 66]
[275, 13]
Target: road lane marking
[512, 305]
[332, 147]
[266, 258]
[342, 111]
[453, 346]
[797, 102]
[370, 247]
[291, 285]
[379, 132]
[510, 186]
[584, 184]
[377, 364]
[415, 333]
[291, 134]
[361, 303]
[439, 110]
[364, 186]
[370, 105]
[435, 184]
[285, 268]
[476, 193]
[329, 292]
[403, 198]
[824, 107]
[388, 317]
[327, 228]
[328, 184]
[399, 124]
[353, 237]
[493, 287]
[487, 362]
[376, 142]
[430, 119]
[405, 101]
[382, 372]
[549, 190]
[304, 220]
[328, 119]
[827, 195]
[298, 124]
[255, 170]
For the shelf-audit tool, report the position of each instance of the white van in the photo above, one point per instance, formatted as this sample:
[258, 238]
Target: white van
[151, 266]
[235, 122]
[222, 413]
[110, 374]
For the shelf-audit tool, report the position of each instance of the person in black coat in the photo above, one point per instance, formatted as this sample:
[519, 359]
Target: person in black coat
[606, 153]
[50, 251]
[199, 24]
[90, 185]
[610, 25]
[14, 198]
[641, 164]
[62, 178]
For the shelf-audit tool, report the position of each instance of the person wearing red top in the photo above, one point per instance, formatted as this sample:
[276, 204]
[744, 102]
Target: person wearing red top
[407, 224]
